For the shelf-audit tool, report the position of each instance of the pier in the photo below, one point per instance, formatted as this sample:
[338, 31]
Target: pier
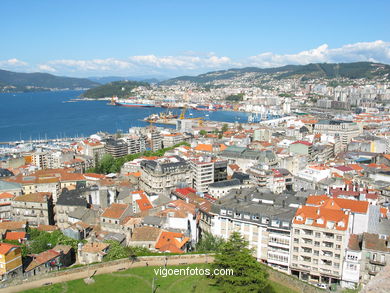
[41, 140]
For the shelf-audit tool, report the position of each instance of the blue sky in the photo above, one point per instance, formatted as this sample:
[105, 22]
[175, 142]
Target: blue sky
[118, 37]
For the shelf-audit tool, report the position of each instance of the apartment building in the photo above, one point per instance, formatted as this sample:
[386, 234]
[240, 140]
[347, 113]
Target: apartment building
[156, 140]
[136, 143]
[346, 130]
[10, 261]
[36, 208]
[172, 138]
[262, 218]
[162, 175]
[5, 205]
[321, 232]
[93, 149]
[116, 148]
[112, 217]
[207, 170]
[68, 202]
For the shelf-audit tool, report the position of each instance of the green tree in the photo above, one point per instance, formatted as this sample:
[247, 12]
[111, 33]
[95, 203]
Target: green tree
[203, 132]
[248, 273]
[105, 164]
[116, 251]
[209, 243]
[225, 128]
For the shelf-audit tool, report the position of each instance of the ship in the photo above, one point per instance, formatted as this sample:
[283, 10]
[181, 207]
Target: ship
[210, 107]
[163, 116]
[132, 102]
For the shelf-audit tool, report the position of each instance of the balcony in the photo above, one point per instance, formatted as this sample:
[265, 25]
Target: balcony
[372, 273]
[377, 262]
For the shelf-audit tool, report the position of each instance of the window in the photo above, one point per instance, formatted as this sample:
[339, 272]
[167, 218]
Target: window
[316, 243]
[339, 237]
[264, 220]
[296, 231]
[318, 234]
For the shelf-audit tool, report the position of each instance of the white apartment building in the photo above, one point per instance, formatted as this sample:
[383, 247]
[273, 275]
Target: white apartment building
[346, 130]
[321, 231]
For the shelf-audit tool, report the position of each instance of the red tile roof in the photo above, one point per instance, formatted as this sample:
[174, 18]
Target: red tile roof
[5, 248]
[320, 216]
[5, 195]
[171, 241]
[303, 142]
[115, 211]
[185, 191]
[15, 235]
[356, 206]
[143, 203]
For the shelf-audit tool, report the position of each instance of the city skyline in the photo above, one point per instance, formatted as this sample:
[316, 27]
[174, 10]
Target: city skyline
[174, 38]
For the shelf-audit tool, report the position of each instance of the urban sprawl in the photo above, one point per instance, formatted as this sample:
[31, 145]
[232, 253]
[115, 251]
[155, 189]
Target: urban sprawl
[306, 181]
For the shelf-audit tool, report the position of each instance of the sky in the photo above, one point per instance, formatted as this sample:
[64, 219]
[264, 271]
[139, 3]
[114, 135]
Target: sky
[170, 38]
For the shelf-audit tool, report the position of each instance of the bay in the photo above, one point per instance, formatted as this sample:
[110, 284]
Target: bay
[50, 114]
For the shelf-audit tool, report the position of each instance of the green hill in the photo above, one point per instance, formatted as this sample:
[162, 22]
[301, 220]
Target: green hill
[351, 71]
[17, 81]
[120, 89]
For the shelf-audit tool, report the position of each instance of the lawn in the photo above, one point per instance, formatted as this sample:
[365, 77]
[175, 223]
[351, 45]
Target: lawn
[140, 279]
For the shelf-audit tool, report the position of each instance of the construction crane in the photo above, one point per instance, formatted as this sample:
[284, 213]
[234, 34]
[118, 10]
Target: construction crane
[183, 113]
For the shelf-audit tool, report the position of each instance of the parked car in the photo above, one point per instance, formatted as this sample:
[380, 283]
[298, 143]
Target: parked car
[322, 286]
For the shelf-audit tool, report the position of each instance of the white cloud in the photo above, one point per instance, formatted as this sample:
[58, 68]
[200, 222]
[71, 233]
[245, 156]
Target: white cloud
[138, 65]
[378, 51]
[46, 68]
[13, 64]
[191, 62]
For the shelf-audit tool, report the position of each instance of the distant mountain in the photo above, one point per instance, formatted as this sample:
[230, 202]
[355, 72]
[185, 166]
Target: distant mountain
[21, 82]
[146, 78]
[354, 70]
[121, 89]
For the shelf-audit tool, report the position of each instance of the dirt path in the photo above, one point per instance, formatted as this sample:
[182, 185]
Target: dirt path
[104, 270]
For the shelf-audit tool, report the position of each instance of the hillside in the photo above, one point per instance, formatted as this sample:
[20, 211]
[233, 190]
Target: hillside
[121, 89]
[16, 82]
[107, 79]
[351, 71]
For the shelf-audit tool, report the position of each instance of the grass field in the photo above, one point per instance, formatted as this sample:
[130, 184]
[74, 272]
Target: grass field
[139, 280]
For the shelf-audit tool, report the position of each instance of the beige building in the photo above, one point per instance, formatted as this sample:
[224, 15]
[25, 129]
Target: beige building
[112, 217]
[346, 130]
[163, 175]
[36, 208]
[92, 252]
[321, 231]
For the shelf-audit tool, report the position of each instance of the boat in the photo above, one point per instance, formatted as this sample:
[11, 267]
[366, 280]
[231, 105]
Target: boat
[132, 102]
[164, 116]
[205, 108]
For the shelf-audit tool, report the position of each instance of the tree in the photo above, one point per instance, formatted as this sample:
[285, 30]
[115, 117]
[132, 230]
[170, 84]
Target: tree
[116, 251]
[105, 164]
[225, 127]
[203, 132]
[209, 243]
[248, 273]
